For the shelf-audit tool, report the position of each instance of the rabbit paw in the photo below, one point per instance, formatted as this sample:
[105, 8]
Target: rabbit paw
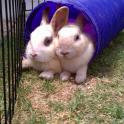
[64, 76]
[80, 79]
[81, 75]
[47, 75]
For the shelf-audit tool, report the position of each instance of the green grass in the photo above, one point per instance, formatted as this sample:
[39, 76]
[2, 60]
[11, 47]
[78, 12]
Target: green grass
[48, 86]
[99, 101]
[56, 106]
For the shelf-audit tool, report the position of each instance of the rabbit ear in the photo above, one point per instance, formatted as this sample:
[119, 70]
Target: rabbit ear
[60, 18]
[80, 21]
[45, 14]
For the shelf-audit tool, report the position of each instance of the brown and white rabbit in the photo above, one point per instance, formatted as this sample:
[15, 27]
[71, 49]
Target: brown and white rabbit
[75, 50]
[40, 50]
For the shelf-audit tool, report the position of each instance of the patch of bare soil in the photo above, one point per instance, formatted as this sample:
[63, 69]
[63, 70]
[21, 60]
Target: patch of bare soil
[90, 83]
[61, 118]
[38, 99]
[64, 93]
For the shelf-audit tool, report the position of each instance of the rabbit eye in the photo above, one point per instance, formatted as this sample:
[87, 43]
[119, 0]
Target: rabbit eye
[48, 41]
[77, 37]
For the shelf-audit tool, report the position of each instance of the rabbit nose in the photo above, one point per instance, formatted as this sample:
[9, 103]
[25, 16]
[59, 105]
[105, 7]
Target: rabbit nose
[33, 55]
[64, 53]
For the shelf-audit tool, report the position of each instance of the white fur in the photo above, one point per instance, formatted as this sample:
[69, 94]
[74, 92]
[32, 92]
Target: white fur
[79, 52]
[40, 56]
[36, 44]
[46, 59]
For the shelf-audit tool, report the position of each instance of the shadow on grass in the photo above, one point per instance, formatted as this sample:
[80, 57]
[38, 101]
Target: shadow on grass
[110, 59]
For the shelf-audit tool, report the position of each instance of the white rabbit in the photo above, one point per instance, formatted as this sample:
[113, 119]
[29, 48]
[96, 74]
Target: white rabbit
[40, 50]
[75, 50]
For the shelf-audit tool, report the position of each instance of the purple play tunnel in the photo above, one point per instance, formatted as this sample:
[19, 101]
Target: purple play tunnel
[104, 19]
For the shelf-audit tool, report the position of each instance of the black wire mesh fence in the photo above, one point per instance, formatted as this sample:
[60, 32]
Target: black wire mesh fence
[31, 4]
[13, 14]
[12, 19]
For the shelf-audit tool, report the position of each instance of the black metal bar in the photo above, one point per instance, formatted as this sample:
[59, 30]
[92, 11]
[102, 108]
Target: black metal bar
[3, 62]
[18, 6]
[8, 63]
[12, 56]
[38, 1]
[32, 3]
[24, 7]
[18, 49]
[28, 10]
[22, 20]
[21, 44]
[14, 46]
